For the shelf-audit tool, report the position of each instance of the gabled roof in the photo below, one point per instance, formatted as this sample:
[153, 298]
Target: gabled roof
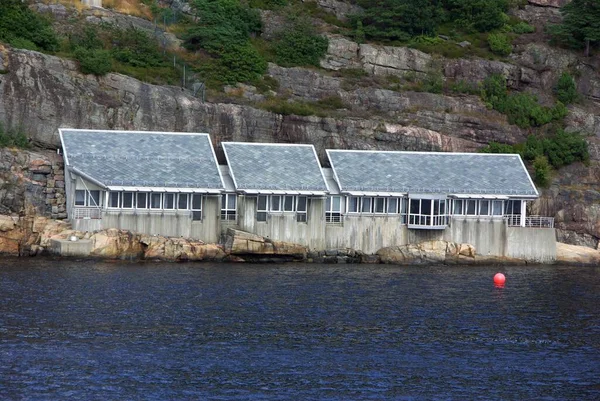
[431, 172]
[274, 168]
[134, 159]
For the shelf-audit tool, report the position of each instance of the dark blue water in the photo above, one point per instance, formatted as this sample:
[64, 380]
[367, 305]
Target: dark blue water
[87, 330]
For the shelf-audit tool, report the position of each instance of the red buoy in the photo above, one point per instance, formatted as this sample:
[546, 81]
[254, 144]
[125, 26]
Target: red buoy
[499, 279]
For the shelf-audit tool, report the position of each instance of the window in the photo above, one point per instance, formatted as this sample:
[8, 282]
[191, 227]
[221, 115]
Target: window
[484, 207]
[80, 197]
[333, 209]
[142, 200]
[513, 207]
[84, 197]
[182, 201]
[353, 204]
[459, 207]
[114, 199]
[275, 203]
[471, 207]
[366, 205]
[288, 203]
[155, 201]
[127, 200]
[261, 208]
[302, 209]
[379, 205]
[392, 205]
[228, 206]
[196, 207]
[169, 201]
[497, 208]
[404, 210]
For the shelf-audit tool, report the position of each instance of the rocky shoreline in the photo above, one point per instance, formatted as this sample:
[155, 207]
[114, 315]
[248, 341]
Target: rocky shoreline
[33, 236]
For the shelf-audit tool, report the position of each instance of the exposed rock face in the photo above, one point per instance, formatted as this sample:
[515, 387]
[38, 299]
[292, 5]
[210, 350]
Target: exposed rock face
[32, 182]
[549, 3]
[339, 8]
[428, 252]
[244, 245]
[573, 254]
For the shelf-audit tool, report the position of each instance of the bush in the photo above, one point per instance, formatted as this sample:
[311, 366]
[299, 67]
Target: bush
[478, 15]
[299, 45]
[522, 109]
[500, 44]
[566, 89]
[93, 61]
[523, 27]
[495, 147]
[13, 138]
[541, 169]
[134, 47]
[21, 27]
[561, 148]
[241, 63]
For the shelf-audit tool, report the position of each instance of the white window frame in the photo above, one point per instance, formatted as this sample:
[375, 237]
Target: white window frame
[180, 196]
[262, 212]
[227, 212]
[137, 200]
[197, 214]
[301, 215]
[333, 214]
[123, 194]
[284, 204]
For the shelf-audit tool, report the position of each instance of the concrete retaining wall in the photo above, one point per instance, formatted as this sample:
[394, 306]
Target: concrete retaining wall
[534, 244]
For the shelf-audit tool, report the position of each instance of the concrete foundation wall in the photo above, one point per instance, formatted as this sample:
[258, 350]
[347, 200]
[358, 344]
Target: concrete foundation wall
[176, 223]
[535, 244]
[284, 226]
[71, 248]
[487, 236]
[366, 233]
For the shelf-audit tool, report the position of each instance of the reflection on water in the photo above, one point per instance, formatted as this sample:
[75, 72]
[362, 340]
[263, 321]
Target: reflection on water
[110, 330]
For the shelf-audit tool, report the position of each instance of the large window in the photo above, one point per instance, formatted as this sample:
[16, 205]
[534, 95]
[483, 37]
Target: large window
[477, 207]
[375, 205]
[333, 209]
[228, 207]
[282, 204]
[155, 201]
[428, 212]
[87, 198]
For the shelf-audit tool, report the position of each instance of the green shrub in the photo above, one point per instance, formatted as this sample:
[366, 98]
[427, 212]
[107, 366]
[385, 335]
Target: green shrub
[500, 44]
[523, 27]
[465, 87]
[541, 169]
[299, 45]
[134, 47]
[241, 63]
[477, 15]
[13, 138]
[561, 148]
[22, 27]
[267, 4]
[93, 61]
[566, 89]
[332, 102]
[495, 147]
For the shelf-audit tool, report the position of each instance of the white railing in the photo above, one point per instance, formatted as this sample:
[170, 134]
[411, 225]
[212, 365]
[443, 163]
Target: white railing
[87, 213]
[334, 218]
[514, 220]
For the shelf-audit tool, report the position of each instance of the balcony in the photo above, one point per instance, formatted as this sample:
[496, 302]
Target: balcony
[514, 220]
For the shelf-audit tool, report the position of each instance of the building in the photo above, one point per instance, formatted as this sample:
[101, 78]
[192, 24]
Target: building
[147, 182]
[171, 184]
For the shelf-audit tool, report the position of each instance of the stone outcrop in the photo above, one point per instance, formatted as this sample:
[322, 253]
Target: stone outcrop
[574, 254]
[340, 9]
[32, 182]
[247, 246]
[549, 3]
[428, 252]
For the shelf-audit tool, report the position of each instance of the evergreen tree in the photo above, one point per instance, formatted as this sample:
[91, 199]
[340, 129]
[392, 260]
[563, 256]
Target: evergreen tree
[581, 24]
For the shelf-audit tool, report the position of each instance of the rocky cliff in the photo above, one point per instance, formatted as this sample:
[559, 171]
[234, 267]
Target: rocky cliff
[42, 93]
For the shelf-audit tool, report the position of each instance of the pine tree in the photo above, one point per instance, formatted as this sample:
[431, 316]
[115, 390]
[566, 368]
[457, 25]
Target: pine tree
[581, 24]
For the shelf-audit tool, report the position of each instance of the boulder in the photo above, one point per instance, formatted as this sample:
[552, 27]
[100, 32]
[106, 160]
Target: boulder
[179, 249]
[574, 254]
[428, 252]
[239, 242]
[117, 244]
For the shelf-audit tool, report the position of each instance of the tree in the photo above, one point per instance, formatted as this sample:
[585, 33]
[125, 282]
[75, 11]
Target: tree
[580, 26]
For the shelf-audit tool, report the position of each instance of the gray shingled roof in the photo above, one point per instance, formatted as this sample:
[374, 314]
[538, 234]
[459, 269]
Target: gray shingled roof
[274, 167]
[143, 159]
[422, 172]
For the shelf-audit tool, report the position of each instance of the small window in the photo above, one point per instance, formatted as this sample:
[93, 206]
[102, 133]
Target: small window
[392, 205]
[228, 207]
[196, 207]
[379, 205]
[155, 200]
[182, 201]
[333, 209]
[302, 202]
[415, 206]
[366, 205]
[114, 199]
[471, 207]
[94, 198]
[288, 203]
[484, 207]
[142, 200]
[169, 201]
[497, 208]
[261, 208]
[353, 204]
[80, 197]
[127, 200]
[275, 203]
[459, 207]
